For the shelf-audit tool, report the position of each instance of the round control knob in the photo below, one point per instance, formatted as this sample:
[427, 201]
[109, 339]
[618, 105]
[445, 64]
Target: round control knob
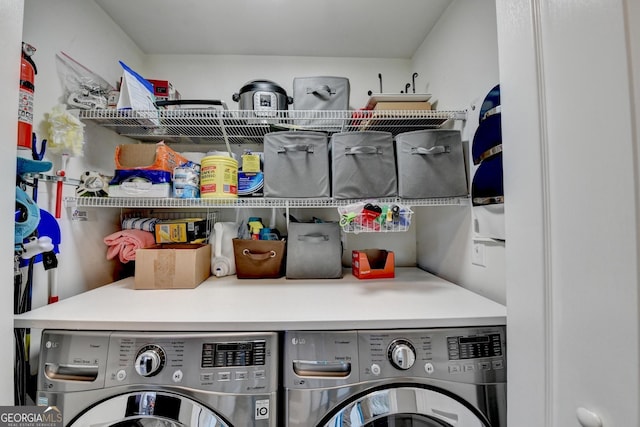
[401, 354]
[150, 360]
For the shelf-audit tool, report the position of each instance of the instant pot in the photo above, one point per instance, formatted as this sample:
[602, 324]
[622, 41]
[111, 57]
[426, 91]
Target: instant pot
[262, 96]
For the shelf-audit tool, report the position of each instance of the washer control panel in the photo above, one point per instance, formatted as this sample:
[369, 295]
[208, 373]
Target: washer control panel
[221, 362]
[453, 354]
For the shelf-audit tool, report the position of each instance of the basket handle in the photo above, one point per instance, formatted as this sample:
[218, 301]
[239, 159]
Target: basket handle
[362, 149]
[436, 149]
[295, 147]
[323, 91]
[258, 257]
[314, 238]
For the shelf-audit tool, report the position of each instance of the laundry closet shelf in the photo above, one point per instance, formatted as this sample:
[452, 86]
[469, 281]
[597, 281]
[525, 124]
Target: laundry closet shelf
[257, 202]
[413, 299]
[209, 126]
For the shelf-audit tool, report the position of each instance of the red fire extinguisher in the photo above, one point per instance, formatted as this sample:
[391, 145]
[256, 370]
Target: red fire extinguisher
[28, 73]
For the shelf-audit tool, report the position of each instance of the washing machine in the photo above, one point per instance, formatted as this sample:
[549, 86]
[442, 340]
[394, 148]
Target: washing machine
[101, 378]
[395, 378]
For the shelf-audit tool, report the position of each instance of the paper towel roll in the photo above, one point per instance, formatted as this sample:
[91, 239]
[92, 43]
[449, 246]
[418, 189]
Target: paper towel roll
[223, 262]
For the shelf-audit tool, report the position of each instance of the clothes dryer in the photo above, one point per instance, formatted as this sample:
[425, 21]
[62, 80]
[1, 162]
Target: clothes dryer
[98, 378]
[396, 378]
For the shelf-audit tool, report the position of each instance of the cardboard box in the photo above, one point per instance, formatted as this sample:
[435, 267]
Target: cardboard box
[373, 264]
[148, 157]
[183, 230]
[172, 266]
[403, 105]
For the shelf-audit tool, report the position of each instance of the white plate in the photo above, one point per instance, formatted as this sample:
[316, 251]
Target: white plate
[396, 97]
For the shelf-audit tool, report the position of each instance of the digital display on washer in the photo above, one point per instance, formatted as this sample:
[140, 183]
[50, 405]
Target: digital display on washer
[229, 354]
[473, 347]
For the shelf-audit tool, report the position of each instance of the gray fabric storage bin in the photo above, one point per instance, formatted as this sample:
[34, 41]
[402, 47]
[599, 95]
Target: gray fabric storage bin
[363, 165]
[296, 164]
[321, 93]
[431, 164]
[314, 251]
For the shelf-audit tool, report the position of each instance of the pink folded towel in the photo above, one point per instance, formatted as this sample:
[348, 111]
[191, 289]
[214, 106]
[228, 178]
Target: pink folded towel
[124, 243]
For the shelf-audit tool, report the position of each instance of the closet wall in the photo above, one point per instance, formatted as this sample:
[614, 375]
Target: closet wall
[457, 63]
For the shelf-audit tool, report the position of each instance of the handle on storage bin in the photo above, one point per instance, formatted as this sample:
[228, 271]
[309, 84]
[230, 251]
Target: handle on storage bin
[314, 238]
[436, 149]
[259, 257]
[323, 91]
[363, 149]
[295, 147]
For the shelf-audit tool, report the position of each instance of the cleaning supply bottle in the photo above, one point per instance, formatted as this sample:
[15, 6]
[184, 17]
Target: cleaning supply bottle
[255, 227]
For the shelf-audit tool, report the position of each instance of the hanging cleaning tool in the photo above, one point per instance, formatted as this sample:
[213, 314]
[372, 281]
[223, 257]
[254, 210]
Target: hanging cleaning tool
[66, 137]
[37, 156]
[61, 174]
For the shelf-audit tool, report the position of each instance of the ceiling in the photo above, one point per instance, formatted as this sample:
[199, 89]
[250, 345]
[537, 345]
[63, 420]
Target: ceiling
[334, 28]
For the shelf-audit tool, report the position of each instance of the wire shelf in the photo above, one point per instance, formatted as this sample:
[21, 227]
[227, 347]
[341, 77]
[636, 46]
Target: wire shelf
[256, 202]
[242, 126]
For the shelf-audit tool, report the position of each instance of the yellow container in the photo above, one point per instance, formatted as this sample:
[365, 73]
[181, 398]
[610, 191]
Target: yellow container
[218, 177]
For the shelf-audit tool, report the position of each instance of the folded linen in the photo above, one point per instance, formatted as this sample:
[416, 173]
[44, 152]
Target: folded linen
[124, 243]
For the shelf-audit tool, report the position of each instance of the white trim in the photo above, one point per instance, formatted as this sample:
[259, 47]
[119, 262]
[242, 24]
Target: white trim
[546, 220]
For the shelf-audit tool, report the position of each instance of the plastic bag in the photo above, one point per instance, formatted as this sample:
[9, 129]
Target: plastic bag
[82, 87]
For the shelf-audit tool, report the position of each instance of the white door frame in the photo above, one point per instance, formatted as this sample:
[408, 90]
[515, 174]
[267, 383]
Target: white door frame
[554, 279]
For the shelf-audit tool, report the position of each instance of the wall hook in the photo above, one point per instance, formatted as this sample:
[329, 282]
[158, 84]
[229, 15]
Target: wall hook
[380, 79]
[413, 79]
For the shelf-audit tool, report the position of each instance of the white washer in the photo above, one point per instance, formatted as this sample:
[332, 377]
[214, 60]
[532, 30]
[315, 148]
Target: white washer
[412, 378]
[98, 378]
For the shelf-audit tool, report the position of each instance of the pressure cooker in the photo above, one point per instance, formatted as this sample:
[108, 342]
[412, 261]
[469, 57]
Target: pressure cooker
[262, 96]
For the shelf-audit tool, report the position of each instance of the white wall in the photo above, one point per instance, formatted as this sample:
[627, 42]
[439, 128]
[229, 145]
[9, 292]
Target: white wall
[458, 64]
[220, 76]
[82, 30]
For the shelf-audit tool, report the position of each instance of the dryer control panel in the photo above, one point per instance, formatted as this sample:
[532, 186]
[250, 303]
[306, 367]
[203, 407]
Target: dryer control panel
[468, 355]
[473, 355]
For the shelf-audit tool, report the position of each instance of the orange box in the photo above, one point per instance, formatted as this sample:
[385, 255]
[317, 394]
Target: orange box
[147, 157]
[373, 264]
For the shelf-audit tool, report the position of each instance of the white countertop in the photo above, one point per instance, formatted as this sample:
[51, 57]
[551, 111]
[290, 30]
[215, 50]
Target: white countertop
[413, 299]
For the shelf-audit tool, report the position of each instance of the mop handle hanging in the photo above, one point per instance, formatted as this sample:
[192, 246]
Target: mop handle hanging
[61, 174]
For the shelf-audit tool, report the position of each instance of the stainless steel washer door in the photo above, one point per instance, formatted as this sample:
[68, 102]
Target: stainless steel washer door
[405, 407]
[148, 409]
